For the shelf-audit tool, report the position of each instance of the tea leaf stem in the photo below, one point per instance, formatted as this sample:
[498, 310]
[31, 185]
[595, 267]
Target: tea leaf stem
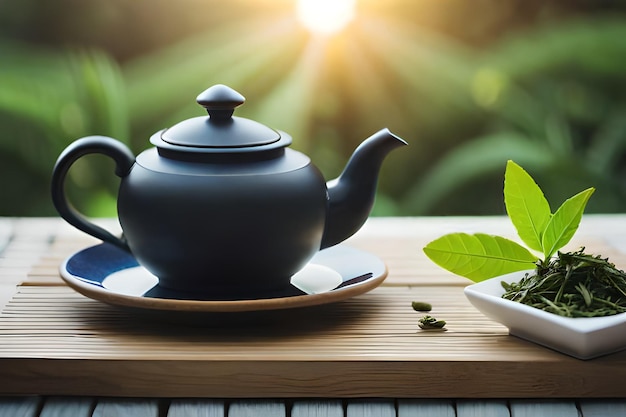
[568, 273]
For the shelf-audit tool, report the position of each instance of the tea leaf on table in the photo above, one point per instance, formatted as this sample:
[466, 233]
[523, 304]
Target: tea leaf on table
[431, 323]
[479, 256]
[526, 205]
[564, 223]
[421, 306]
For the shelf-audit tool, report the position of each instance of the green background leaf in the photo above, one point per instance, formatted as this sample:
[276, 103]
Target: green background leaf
[479, 256]
[526, 205]
[564, 222]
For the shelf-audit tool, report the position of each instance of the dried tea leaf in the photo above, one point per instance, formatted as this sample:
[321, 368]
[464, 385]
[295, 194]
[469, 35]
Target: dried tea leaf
[421, 306]
[431, 323]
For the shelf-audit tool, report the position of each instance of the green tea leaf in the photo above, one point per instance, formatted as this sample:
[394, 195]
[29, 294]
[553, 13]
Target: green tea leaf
[526, 205]
[479, 256]
[564, 223]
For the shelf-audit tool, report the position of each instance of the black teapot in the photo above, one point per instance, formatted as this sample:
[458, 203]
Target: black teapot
[221, 204]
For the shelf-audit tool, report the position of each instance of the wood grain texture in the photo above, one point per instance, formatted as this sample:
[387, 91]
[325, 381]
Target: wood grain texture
[603, 408]
[372, 408]
[118, 407]
[19, 406]
[54, 341]
[545, 408]
[32, 406]
[250, 408]
[318, 408]
[426, 408]
[485, 408]
[196, 408]
[67, 406]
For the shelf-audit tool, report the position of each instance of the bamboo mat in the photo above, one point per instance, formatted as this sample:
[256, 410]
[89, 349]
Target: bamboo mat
[55, 341]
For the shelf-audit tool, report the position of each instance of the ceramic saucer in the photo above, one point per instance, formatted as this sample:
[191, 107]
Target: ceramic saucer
[112, 275]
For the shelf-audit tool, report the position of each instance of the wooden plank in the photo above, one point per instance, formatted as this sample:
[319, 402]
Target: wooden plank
[426, 408]
[60, 314]
[276, 379]
[196, 408]
[126, 407]
[373, 408]
[603, 408]
[368, 346]
[318, 408]
[482, 408]
[543, 408]
[257, 409]
[19, 406]
[67, 406]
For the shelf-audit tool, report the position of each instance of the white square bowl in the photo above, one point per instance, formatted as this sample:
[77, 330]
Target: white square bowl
[581, 337]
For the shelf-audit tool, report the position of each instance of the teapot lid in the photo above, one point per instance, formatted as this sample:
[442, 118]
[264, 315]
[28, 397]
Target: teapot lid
[220, 131]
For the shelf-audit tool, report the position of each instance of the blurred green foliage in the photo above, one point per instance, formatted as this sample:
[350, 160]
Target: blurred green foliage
[46, 97]
[468, 84]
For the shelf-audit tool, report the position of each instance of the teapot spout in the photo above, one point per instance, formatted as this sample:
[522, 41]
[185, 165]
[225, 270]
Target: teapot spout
[351, 195]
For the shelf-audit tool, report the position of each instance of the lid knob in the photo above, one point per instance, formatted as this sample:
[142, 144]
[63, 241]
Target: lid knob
[220, 101]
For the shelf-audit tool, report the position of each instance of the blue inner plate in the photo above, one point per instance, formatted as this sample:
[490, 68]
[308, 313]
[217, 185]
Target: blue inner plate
[110, 274]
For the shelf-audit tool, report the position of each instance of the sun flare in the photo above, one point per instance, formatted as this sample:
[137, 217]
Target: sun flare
[325, 16]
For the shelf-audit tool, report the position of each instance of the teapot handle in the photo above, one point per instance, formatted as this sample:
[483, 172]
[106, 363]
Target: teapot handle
[124, 160]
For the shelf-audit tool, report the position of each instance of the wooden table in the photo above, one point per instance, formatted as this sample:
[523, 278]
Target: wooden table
[61, 351]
